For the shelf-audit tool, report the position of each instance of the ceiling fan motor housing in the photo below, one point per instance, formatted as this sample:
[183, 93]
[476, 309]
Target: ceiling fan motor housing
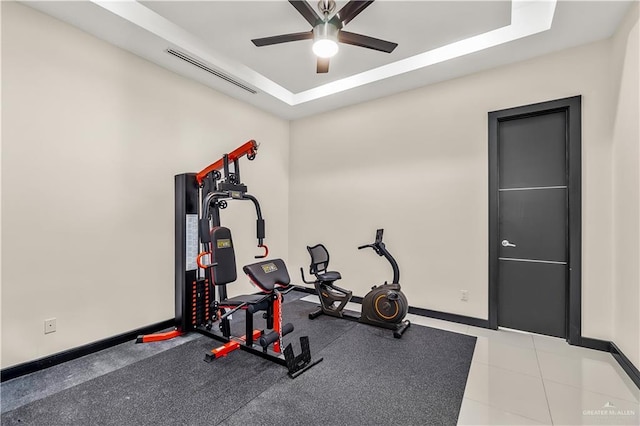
[325, 40]
[326, 30]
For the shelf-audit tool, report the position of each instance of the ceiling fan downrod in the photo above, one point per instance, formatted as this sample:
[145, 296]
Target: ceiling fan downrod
[326, 7]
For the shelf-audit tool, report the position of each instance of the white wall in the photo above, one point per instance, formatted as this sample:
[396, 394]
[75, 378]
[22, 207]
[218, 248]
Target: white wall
[93, 135]
[416, 164]
[626, 189]
[91, 139]
[1, 344]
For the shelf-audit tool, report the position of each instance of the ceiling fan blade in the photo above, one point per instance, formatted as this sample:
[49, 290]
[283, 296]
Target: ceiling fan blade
[322, 66]
[352, 9]
[366, 41]
[283, 38]
[306, 11]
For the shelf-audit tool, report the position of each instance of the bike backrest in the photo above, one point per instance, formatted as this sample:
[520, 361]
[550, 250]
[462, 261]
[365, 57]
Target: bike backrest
[319, 259]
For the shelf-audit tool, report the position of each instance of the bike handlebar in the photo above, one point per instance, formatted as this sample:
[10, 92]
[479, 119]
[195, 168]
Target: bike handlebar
[304, 279]
[379, 247]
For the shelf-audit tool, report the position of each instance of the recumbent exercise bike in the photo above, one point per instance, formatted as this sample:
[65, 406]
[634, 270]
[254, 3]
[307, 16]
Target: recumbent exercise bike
[384, 306]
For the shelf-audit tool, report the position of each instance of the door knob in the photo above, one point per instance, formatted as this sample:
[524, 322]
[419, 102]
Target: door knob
[506, 243]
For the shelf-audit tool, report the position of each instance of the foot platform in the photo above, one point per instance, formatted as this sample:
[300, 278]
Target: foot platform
[300, 363]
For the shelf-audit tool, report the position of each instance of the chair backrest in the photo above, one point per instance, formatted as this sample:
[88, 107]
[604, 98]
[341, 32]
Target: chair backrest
[223, 255]
[319, 259]
[268, 274]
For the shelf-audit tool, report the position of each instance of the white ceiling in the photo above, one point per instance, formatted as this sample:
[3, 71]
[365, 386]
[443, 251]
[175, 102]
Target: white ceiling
[437, 40]
[229, 27]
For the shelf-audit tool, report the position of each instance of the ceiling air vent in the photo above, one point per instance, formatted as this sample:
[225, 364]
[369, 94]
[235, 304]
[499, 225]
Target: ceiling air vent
[210, 70]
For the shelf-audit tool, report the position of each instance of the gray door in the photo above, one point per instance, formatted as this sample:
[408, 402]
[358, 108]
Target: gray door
[532, 227]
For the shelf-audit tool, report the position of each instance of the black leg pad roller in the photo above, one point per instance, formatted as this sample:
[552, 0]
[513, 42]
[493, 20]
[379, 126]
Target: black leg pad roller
[273, 336]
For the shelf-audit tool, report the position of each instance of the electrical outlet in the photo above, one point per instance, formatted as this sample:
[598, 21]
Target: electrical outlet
[49, 325]
[464, 295]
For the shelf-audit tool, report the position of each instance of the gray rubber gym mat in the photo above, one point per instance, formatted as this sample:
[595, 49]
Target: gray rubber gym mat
[367, 377]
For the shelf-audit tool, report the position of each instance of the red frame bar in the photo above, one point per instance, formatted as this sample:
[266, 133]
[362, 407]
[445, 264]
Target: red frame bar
[249, 148]
[277, 321]
[157, 337]
[225, 349]
[232, 345]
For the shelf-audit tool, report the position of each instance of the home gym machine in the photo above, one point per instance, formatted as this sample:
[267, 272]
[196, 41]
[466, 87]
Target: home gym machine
[384, 306]
[202, 304]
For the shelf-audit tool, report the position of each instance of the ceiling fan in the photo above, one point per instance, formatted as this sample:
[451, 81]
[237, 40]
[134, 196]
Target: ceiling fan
[327, 32]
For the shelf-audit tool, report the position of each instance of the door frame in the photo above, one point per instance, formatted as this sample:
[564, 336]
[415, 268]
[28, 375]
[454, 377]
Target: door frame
[572, 108]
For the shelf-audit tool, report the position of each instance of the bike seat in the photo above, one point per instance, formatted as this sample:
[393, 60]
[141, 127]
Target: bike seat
[329, 276]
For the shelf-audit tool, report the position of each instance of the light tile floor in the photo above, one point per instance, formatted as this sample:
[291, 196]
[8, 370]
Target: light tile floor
[525, 379]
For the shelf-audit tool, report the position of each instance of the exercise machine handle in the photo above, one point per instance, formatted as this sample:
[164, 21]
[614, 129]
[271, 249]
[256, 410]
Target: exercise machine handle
[381, 250]
[377, 247]
[199, 260]
[304, 280]
[226, 314]
[266, 252]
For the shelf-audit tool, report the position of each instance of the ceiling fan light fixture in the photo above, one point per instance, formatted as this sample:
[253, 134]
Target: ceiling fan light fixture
[325, 48]
[325, 40]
